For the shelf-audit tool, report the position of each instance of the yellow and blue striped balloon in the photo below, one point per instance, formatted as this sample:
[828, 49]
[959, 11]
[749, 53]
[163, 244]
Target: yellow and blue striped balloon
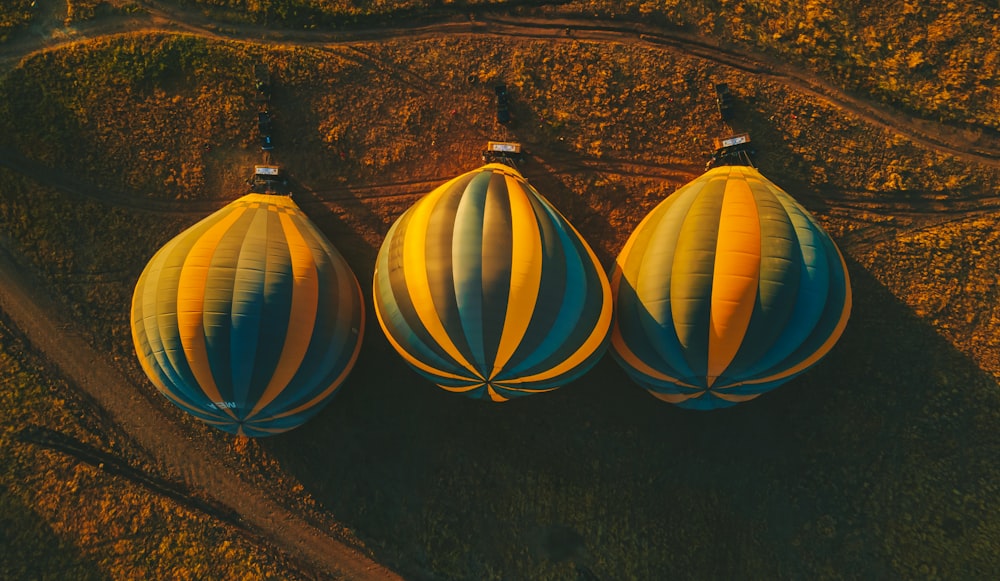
[486, 289]
[726, 290]
[250, 319]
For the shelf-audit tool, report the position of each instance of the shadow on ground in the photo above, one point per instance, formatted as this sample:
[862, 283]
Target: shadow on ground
[32, 550]
[881, 462]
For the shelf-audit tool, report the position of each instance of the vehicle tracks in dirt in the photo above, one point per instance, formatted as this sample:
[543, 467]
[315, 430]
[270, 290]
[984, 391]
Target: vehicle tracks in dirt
[181, 458]
[984, 148]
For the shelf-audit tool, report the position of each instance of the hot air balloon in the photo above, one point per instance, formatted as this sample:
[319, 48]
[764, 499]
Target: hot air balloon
[484, 288]
[250, 319]
[727, 289]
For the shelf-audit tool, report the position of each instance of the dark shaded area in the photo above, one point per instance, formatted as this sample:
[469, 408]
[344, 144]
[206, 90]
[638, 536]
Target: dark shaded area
[294, 15]
[880, 462]
[31, 550]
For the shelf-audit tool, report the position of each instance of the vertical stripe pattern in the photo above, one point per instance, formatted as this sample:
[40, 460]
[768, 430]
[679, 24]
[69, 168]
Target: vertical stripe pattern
[485, 289]
[726, 290]
[250, 319]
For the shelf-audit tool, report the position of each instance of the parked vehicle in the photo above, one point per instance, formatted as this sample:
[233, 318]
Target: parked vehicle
[503, 104]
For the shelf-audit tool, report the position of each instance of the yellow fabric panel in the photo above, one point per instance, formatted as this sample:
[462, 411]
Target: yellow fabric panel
[144, 362]
[506, 170]
[691, 269]
[461, 389]
[735, 278]
[270, 430]
[629, 271]
[149, 283]
[734, 397]
[676, 397]
[417, 283]
[343, 374]
[522, 390]
[494, 396]
[831, 340]
[623, 351]
[191, 300]
[600, 332]
[301, 319]
[270, 199]
[413, 360]
[525, 276]
[221, 424]
[640, 233]
[148, 369]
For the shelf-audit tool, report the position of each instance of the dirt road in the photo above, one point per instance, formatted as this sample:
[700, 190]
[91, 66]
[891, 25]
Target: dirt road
[181, 458]
[976, 146]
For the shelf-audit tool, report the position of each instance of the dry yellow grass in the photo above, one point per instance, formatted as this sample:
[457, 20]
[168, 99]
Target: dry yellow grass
[63, 518]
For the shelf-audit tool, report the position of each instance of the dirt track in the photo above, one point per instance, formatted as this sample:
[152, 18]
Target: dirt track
[980, 146]
[181, 457]
[975, 146]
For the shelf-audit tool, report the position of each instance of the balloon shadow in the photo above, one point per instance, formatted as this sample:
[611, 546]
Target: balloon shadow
[881, 461]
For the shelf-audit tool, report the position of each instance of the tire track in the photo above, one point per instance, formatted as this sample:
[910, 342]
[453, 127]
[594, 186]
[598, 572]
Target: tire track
[181, 457]
[920, 203]
[107, 462]
[158, 18]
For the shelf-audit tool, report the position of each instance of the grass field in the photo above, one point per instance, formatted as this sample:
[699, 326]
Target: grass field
[880, 463]
[65, 519]
[13, 16]
[938, 59]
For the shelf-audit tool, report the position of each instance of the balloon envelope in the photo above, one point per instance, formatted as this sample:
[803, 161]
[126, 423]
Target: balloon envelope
[249, 320]
[726, 290]
[485, 289]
